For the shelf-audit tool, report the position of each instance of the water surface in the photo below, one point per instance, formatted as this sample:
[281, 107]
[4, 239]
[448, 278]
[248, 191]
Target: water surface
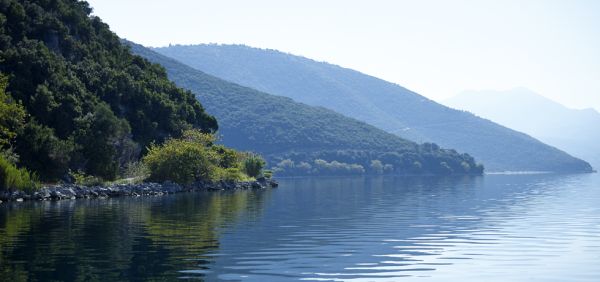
[491, 228]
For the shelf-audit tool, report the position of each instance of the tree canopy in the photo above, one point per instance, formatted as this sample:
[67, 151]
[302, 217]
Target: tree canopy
[77, 98]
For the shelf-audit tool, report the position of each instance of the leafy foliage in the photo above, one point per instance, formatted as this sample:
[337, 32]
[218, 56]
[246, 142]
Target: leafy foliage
[287, 132]
[12, 116]
[181, 161]
[233, 174]
[92, 105]
[427, 159]
[136, 172]
[253, 165]
[13, 178]
[80, 178]
[385, 105]
[194, 157]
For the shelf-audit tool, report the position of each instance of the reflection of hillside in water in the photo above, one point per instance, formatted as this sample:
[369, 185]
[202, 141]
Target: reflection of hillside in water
[117, 239]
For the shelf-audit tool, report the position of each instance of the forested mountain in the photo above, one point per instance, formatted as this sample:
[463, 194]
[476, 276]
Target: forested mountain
[87, 103]
[300, 139]
[385, 105]
[575, 131]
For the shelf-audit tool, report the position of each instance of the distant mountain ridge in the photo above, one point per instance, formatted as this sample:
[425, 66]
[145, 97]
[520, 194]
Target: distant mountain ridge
[377, 102]
[300, 139]
[575, 131]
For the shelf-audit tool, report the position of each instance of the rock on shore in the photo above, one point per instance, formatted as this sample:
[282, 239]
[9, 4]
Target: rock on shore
[72, 191]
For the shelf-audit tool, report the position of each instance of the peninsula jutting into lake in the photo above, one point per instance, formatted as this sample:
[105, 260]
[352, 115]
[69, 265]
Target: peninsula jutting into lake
[81, 108]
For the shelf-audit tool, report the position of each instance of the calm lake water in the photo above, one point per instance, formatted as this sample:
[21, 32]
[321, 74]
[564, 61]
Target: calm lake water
[491, 228]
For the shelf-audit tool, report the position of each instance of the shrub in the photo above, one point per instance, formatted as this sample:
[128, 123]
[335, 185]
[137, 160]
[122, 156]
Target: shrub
[87, 180]
[227, 158]
[233, 174]
[388, 168]
[445, 168]
[10, 155]
[180, 161]
[198, 137]
[137, 171]
[377, 167]
[268, 174]
[13, 178]
[465, 166]
[195, 157]
[253, 165]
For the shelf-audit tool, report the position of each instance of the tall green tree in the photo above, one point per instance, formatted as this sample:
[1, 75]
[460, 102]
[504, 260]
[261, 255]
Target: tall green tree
[92, 104]
[12, 116]
[104, 142]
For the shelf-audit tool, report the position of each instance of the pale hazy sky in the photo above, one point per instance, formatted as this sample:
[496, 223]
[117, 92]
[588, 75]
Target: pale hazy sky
[436, 48]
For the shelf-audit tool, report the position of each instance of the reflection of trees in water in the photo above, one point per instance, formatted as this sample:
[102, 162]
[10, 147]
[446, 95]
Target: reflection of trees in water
[13, 224]
[117, 239]
[189, 228]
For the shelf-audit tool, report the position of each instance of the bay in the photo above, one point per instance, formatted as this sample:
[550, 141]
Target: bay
[542, 227]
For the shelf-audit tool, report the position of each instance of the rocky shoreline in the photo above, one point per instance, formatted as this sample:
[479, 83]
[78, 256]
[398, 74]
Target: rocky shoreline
[72, 191]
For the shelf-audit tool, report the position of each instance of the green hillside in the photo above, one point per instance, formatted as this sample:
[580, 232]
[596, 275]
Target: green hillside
[89, 104]
[575, 131]
[385, 105]
[300, 139]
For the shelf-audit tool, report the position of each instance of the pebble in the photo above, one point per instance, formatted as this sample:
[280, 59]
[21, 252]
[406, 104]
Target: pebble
[72, 191]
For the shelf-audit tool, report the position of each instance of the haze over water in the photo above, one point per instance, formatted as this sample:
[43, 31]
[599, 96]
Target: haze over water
[492, 228]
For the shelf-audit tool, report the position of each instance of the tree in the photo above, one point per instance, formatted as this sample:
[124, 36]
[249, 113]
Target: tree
[79, 99]
[377, 166]
[12, 116]
[228, 158]
[105, 142]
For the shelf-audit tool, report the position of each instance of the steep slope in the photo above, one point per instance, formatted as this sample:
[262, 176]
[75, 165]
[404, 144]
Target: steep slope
[575, 131]
[295, 135]
[91, 105]
[377, 102]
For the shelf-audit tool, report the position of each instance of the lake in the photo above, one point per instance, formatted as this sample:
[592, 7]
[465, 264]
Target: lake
[540, 227]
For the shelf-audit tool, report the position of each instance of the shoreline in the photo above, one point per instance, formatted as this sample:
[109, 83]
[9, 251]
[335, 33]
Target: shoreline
[73, 191]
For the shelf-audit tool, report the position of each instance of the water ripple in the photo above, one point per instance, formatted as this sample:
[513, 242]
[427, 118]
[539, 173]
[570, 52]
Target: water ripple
[492, 228]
